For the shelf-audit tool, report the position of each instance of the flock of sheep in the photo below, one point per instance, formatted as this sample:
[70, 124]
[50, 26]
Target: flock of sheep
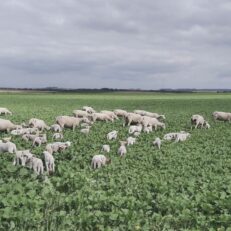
[138, 121]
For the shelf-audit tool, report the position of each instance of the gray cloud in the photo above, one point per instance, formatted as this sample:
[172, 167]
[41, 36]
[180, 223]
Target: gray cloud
[120, 44]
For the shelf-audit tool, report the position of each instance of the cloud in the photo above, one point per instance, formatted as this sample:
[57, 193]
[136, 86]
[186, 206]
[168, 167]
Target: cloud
[117, 44]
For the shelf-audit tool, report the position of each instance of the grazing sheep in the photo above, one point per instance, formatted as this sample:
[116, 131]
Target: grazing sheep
[80, 113]
[122, 151]
[157, 142]
[135, 128]
[197, 120]
[56, 128]
[132, 118]
[131, 140]
[99, 160]
[40, 140]
[148, 129]
[120, 112]
[149, 121]
[7, 147]
[106, 148]
[22, 156]
[182, 137]
[88, 109]
[57, 146]
[23, 131]
[4, 111]
[49, 162]
[111, 114]
[38, 123]
[222, 116]
[85, 130]
[57, 136]
[112, 135]
[7, 125]
[140, 112]
[36, 164]
[70, 121]
[101, 117]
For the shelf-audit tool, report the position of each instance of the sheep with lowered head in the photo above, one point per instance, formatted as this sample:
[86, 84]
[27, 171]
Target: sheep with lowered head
[106, 148]
[222, 116]
[112, 135]
[99, 160]
[38, 123]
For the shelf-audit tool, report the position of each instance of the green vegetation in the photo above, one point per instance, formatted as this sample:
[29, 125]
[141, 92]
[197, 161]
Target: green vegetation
[183, 186]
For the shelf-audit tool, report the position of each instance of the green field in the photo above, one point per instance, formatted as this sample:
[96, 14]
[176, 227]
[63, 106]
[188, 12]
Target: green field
[182, 186]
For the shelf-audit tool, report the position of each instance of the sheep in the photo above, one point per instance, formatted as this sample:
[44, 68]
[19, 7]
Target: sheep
[101, 117]
[40, 140]
[36, 164]
[106, 148]
[132, 118]
[131, 140]
[206, 125]
[170, 136]
[89, 110]
[7, 125]
[120, 112]
[148, 129]
[99, 160]
[182, 137]
[49, 162]
[85, 130]
[21, 156]
[155, 115]
[222, 116]
[135, 128]
[23, 131]
[56, 128]
[57, 146]
[5, 111]
[30, 137]
[112, 135]
[149, 121]
[57, 136]
[7, 147]
[197, 120]
[136, 134]
[157, 142]
[70, 121]
[38, 123]
[111, 114]
[122, 151]
[80, 113]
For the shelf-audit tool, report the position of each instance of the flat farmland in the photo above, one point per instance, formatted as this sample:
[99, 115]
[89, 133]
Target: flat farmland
[182, 186]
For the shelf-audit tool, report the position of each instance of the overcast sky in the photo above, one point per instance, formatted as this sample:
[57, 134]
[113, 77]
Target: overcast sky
[147, 44]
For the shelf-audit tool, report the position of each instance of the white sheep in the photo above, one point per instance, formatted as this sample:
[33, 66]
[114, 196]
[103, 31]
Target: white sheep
[150, 121]
[101, 117]
[131, 140]
[7, 125]
[36, 164]
[49, 162]
[132, 118]
[112, 135]
[170, 136]
[21, 157]
[122, 151]
[147, 129]
[57, 136]
[110, 114]
[120, 112]
[80, 113]
[70, 121]
[56, 128]
[7, 147]
[135, 128]
[197, 120]
[88, 109]
[206, 125]
[40, 140]
[106, 148]
[4, 111]
[223, 116]
[157, 142]
[57, 146]
[99, 160]
[38, 123]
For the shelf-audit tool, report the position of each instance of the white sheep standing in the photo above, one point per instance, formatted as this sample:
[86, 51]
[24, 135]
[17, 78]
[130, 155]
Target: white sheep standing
[120, 112]
[131, 140]
[122, 151]
[38, 123]
[49, 162]
[57, 146]
[56, 128]
[40, 140]
[7, 147]
[157, 142]
[88, 109]
[7, 125]
[223, 116]
[135, 128]
[112, 135]
[80, 113]
[106, 148]
[21, 157]
[36, 164]
[99, 160]
[132, 118]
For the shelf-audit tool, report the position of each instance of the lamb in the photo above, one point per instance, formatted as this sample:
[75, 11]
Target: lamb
[112, 135]
[182, 137]
[36, 164]
[69, 121]
[197, 120]
[4, 111]
[106, 148]
[135, 128]
[157, 142]
[49, 162]
[89, 110]
[149, 121]
[38, 123]
[101, 117]
[85, 130]
[148, 129]
[57, 136]
[131, 140]
[80, 113]
[57, 146]
[111, 114]
[132, 118]
[120, 113]
[40, 140]
[7, 125]
[7, 147]
[122, 151]
[21, 156]
[99, 160]
[222, 116]
[56, 128]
